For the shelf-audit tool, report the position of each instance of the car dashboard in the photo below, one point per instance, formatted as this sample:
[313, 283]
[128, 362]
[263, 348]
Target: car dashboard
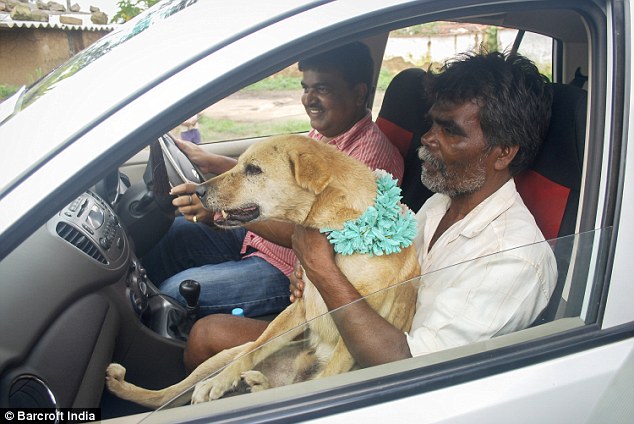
[75, 298]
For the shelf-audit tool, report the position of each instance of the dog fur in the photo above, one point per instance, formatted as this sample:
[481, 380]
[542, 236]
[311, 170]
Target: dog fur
[293, 179]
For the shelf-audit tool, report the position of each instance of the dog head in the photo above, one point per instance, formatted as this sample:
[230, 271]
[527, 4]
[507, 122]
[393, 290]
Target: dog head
[291, 178]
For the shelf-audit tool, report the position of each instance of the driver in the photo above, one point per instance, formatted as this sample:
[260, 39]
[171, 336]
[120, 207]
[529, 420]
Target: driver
[248, 267]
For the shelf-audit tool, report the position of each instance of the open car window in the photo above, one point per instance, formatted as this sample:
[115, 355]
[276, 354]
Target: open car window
[428, 46]
[572, 306]
[268, 107]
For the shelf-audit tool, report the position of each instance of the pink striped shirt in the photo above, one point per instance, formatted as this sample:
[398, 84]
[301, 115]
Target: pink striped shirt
[365, 142]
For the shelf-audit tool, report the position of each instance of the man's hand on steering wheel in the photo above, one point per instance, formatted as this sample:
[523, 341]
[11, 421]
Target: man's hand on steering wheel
[189, 204]
[187, 201]
[207, 163]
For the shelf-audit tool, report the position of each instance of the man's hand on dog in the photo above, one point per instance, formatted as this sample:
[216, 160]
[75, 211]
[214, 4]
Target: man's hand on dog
[316, 255]
[297, 284]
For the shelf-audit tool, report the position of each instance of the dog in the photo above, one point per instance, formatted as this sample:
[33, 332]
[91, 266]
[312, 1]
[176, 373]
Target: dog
[298, 180]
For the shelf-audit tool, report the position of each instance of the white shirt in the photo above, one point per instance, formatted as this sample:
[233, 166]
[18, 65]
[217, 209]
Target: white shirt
[501, 291]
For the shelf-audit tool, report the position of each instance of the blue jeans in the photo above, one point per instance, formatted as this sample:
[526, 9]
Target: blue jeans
[212, 257]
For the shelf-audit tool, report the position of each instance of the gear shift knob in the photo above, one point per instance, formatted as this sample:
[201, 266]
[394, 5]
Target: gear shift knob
[190, 290]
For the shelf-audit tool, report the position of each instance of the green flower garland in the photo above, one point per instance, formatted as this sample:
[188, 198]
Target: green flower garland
[384, 228]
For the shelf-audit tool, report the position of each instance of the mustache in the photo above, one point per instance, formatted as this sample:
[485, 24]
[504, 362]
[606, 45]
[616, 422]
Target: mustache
[426, 156]
[314, 104]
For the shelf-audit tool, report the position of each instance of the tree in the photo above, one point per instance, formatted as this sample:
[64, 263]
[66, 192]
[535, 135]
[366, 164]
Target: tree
[128, 9]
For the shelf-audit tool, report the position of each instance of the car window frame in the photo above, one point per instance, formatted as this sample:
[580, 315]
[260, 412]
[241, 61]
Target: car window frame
[571, 341]
[596, 169]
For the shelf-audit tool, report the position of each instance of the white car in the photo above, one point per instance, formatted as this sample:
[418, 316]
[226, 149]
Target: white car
[77, 211]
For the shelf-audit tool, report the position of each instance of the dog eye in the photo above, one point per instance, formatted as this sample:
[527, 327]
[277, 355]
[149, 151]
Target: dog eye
[251, 169]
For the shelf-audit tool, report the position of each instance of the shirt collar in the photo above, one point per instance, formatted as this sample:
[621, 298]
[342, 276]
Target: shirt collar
[483, 214]
[344, 139]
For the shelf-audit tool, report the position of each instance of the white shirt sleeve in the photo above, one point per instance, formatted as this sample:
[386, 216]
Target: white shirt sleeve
[480, 299]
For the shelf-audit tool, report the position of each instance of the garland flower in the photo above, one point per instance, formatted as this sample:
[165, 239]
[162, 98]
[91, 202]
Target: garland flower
[383, 229]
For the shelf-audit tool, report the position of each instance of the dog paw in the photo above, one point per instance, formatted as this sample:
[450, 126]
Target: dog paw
[212, 389]
[255, 380]
[115, 375]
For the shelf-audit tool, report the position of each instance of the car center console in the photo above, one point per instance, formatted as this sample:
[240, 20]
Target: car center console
[91, 225]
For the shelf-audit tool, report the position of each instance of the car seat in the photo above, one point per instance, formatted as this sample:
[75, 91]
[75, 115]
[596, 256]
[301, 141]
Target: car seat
[402, 120]
[550, 187]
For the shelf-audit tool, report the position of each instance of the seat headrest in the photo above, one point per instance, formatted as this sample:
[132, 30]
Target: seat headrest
[404, 106]
[405, 103]
[550, 187]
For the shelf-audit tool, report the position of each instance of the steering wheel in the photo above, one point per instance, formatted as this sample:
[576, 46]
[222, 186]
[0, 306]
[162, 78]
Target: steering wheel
[178, 166]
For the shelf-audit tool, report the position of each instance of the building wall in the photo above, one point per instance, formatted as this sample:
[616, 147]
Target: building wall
[26, 54]
[436, 49]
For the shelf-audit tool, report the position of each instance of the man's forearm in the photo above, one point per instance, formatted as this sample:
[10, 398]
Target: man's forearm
[370, 339]
[217, 164]
[368, 336]
[274, 231]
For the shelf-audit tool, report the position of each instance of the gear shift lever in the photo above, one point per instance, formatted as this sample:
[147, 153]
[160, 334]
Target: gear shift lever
[190, 290]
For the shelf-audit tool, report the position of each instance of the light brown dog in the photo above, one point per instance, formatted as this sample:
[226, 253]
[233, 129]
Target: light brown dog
[297, 180]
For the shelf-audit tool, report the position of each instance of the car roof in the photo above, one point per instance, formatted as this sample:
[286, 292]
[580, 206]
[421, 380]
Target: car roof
[81, 117]
[89, 123]
[120, 66]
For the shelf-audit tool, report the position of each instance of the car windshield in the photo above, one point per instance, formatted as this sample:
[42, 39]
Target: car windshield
[570, 307]
[120, 35]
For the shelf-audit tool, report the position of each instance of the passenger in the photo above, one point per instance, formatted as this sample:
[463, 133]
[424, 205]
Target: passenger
[489, 117]
[248, 267]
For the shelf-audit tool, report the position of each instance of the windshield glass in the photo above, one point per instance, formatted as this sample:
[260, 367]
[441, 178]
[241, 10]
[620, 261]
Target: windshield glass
[140, 23]
[275, 363]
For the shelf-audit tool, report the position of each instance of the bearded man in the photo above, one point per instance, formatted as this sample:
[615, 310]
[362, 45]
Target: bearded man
[486, 270]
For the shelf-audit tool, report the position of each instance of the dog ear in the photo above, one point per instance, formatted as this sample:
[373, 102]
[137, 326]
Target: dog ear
[310, 171]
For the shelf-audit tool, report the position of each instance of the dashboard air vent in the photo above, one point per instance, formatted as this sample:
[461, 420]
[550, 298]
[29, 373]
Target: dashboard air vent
[80, 241]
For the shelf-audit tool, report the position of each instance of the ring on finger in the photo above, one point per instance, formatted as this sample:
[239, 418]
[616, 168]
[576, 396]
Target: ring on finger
[191, 201]
[195, 219]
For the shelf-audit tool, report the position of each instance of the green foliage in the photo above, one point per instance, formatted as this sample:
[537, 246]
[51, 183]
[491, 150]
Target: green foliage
[491, 39]
[212, 130]
[276, 82]
[7, 91]
[128, 9]
[385, 76]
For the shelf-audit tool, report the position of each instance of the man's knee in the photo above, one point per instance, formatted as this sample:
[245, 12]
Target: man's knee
[200, 345]
[214, 333]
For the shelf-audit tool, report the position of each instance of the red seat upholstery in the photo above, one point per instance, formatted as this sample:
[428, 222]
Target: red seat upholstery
[550, 187]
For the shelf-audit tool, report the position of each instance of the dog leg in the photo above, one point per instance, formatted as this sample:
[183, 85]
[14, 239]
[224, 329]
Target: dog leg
[340, 361]
[281, 331]
[256, 380]
[115, 375]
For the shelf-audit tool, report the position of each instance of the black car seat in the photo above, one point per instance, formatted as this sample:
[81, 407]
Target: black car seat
[550, 187]
[402, 120]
